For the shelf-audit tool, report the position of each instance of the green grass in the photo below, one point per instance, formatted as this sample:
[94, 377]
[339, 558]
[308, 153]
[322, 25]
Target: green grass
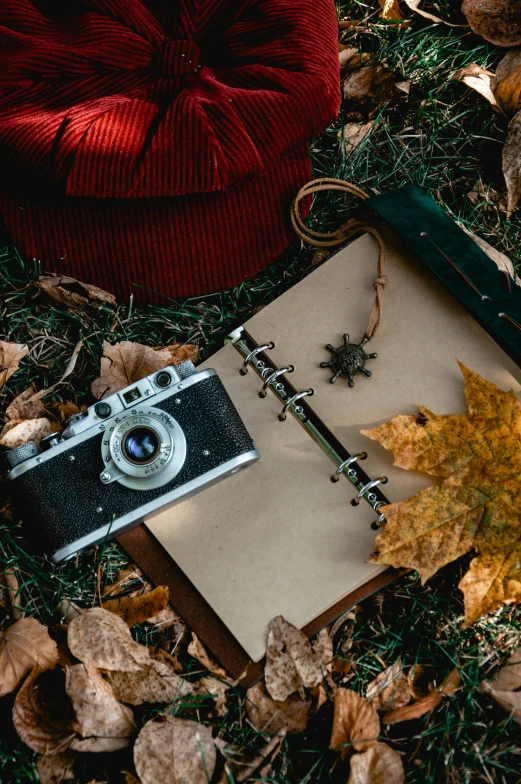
[444, 138]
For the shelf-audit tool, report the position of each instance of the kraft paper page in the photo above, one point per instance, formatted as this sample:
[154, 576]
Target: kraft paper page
[424, 330]
[276, 538]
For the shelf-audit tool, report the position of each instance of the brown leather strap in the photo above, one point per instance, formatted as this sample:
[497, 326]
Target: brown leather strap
[346, 231]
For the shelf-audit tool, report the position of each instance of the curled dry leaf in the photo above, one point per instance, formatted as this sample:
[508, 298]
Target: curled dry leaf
[291, 662]
[390, 689]
[71, 364]
[348, 57]
[503, 687]
[501, 260]
[272, 717]
[240, 769]
[124, 579]
[479, 79]
[10, 578]
[158, 682]
[11, 354]
[100, 638]
[391, 12]
[174, 751]
[55, 769]
[219, 690]
[379, 765]
[103, 722]
[72, 293]
[498, 21]
[198, 651]
[126, 362]
[42, 713]
[486, 197]
[413, 711]
[137, 609]
[512, 163]
[23, 646]
[23, 407]
[355, 723]
[354, 134]
[372, 84]
[18, 432]
[414, 5]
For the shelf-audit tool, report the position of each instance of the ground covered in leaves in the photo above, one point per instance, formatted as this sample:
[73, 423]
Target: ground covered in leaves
[428, 128]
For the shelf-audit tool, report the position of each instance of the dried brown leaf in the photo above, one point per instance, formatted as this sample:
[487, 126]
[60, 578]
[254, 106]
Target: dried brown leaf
[497, 21]
[371, 81]
[512, 163]
[291, 662]
[42, 713]
[11, 354]
[198, 651]
[103, 722]
[23, 646]
[219, 690]
[68, 409]
[130, 778]
[274, 718]
[158, 682]
[391, 12]
[427, 703]
[137, 609]
[355, 723]
[486, 197]
[508, 75]
[23, 407]
[71, 364]
[174, 751]
[479, 79]
[70, 292]
[125, 578]
[181, 352]
[126, 362]
[354, 134]
[100, 638]
[503, 687]
[348, 57]
[10, 578]
[55, 769]
[19, 432]
[414, 5]
[240, 769]
[390, 689]
[379, 765]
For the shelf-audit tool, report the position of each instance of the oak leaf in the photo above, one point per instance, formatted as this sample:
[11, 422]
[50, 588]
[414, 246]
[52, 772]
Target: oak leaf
[476, 507]
[100, 638]
[158, 682]
[137, 609]
[24, 645]
[291, 662]
[11, 354]
[273, 717]
[70, 292]
[103, 722]
[355, 723]
[174, 751]
[126, 362]
[23, 407]
[503, 687]
[55, 769]
[42, 713]
[379, 765]
[390, 689]
[426, 704]
[498, 21]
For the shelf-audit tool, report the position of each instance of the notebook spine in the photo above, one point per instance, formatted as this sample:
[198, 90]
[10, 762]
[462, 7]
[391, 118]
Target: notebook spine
[294, 402]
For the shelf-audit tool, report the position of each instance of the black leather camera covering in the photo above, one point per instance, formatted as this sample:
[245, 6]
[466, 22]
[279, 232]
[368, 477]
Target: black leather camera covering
[57, 500]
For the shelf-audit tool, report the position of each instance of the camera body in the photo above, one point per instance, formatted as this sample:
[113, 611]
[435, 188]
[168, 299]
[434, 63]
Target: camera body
[153, 444]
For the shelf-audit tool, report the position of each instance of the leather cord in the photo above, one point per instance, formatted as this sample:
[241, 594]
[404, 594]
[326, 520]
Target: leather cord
[348, 230]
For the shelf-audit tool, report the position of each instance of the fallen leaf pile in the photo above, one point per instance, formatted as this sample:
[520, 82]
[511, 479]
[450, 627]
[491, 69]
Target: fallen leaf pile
[476, 507]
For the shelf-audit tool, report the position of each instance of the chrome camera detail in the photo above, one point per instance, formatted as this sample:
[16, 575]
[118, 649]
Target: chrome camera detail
[147, 452]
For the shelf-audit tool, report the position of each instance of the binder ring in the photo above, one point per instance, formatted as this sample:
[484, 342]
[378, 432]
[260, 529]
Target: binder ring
[309, 392]
[346, 463]
[382, 480]
[272, 377]
[252, 354]
[381, 517]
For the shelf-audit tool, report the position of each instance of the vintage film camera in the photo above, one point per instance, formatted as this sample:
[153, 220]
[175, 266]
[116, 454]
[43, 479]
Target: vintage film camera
[156, 442]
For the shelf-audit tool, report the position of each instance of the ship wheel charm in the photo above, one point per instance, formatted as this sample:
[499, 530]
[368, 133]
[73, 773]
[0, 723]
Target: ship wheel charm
[348, 360]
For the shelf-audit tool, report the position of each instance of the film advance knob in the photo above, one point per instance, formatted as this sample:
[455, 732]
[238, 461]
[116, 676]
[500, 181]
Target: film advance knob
[21, 453]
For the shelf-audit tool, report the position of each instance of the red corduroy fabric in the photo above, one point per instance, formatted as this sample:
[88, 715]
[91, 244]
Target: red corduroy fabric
[159, 144]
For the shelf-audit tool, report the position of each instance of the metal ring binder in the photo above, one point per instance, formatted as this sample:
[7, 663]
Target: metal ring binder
[252, 354]
[271, 378]
[309, 392]
[346, 463]
[382, 480]
[381, 517]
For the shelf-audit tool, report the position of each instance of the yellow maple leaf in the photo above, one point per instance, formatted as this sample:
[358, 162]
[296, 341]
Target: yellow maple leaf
[476, 507]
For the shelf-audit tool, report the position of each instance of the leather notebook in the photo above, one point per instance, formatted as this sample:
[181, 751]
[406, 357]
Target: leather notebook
[280, 538]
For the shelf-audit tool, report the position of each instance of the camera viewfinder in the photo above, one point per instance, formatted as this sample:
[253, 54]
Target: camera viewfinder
[131, 395]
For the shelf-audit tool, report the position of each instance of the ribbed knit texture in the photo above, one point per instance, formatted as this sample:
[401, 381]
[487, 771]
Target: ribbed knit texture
[159, 143]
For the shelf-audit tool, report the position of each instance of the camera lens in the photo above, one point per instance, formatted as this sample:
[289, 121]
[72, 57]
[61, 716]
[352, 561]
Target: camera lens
[141, 445]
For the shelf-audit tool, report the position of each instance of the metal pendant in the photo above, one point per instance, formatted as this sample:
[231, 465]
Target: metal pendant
[348, 360]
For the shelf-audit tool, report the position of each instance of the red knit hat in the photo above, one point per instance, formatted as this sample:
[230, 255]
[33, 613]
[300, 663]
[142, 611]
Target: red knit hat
[153, 147]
